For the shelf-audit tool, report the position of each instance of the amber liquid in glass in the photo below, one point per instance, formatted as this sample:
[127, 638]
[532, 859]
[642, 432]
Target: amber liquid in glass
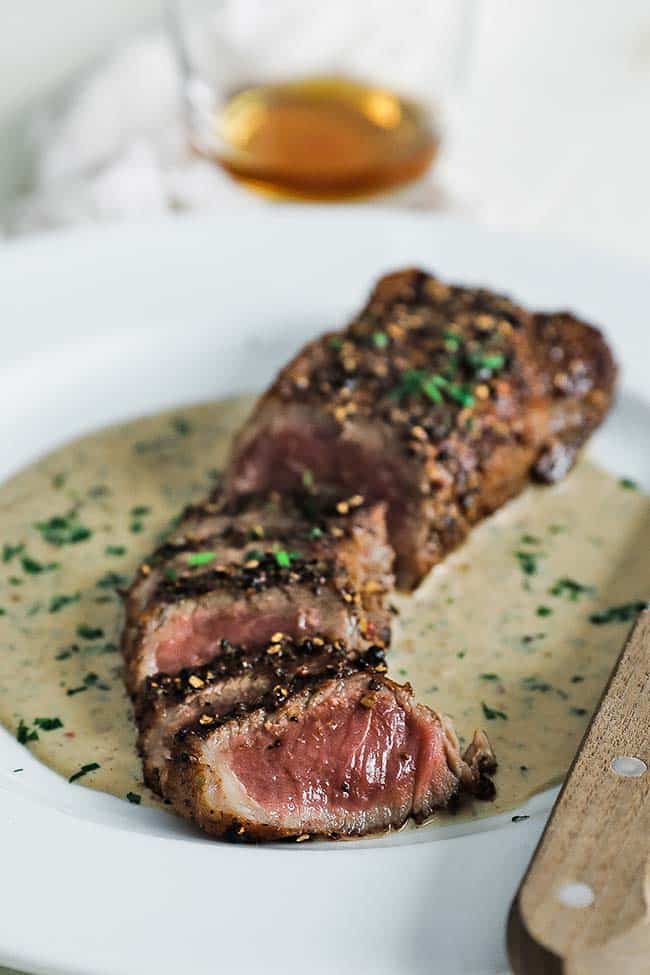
[324, 138]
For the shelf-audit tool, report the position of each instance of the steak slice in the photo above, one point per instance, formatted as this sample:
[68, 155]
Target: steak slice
[234, 681]
[439, 400]
[330, 756]
[240, 573]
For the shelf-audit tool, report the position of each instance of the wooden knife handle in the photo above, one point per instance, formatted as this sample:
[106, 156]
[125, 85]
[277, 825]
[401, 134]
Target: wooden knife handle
[582, 907]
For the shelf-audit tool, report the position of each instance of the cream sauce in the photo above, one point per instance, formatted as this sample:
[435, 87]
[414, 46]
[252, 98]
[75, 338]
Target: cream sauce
[481, 639]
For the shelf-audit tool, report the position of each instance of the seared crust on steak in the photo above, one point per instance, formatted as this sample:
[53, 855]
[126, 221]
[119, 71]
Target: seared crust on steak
[242, 571]
[255, 635]
[440, 400]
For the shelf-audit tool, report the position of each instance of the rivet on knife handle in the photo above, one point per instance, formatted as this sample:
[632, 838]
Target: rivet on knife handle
[583, 905]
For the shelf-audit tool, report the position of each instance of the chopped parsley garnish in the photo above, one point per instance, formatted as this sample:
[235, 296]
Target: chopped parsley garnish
[577, 679]
[8, 551]
[25, 734]
[452, 341]
[316, 532]
[493, 713]
[134, 798]
[536, 684]
[171, 574]
[530, 540]
[254, 555]
[63, 529]
[528, 561]
[84, 770]
[519, 819]
[579, 712]
[484, 363]
[201, 558]
[284, 558]
[619, 614]
[115, 550]
[58, 602]
[136, 527]
[557, 529]
[181, 426]
[59, 480]
[15, 581]
[489, 676]
[335, 344]
[87, 632]
[140, 509]
[112, 580]
[3, 611]
[566, 586]
[628, 484]
[90, 680]
[544, 611]
[380, 340]
[416, 381]
[32, 567]
[461, 654]
[48, 724]
[67, 652]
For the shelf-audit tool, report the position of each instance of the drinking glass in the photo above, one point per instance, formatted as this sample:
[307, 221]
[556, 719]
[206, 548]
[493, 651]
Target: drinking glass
[301, 98]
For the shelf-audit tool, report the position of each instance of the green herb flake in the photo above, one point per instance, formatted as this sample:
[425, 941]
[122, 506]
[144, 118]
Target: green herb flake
[533, 683]
[67, 652]
[32, 567]
[628, 484]
[115, 550]
[3, 611]
[492, 714]
[254, 555]
[48, 724]
[201, 558]
[15, 581]
[171, 574]
[8, 551]
[136, 527]
[59, 480]
[489, 676]
[315, 532]
[25, 734]
[84, 770]
[181, 426]
[544, 611]
[530, 540]
[90, 680]
[577, 679]
[380, 340]
[63, 530]
[520, 819]
[87, 632]
[528, 561]
[139, 510]
[284, 558]
[58, 602]
[461, 654]
[571, 588]
[335, 344]
[134, 798]
[307, 479]
[619, 614]
[112, 580]
[578, 712]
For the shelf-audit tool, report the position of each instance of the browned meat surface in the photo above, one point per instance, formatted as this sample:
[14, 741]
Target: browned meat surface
[441, 401]
[236, 679]
[341, 755]
[239, 574]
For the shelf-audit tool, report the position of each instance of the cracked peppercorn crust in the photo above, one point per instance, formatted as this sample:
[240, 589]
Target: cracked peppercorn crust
[441, 401]
[240, 572]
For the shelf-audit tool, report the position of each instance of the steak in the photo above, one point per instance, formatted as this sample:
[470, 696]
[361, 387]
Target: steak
[238, 573]
[440, 401]
[343, 755]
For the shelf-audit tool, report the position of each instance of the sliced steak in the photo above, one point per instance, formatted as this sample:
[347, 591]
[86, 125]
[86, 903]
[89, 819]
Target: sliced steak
[441, 401]
[241, 573]
[348, 755]
[236, 680]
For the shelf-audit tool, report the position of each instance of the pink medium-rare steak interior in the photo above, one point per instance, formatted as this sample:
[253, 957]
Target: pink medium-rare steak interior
[350, 752]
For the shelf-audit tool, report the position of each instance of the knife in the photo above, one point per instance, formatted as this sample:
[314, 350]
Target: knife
[583, 904]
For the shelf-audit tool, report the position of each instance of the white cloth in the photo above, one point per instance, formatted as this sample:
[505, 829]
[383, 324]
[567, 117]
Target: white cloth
[550, 134]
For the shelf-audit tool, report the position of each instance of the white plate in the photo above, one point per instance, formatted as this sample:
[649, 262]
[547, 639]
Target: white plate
[100, 326]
